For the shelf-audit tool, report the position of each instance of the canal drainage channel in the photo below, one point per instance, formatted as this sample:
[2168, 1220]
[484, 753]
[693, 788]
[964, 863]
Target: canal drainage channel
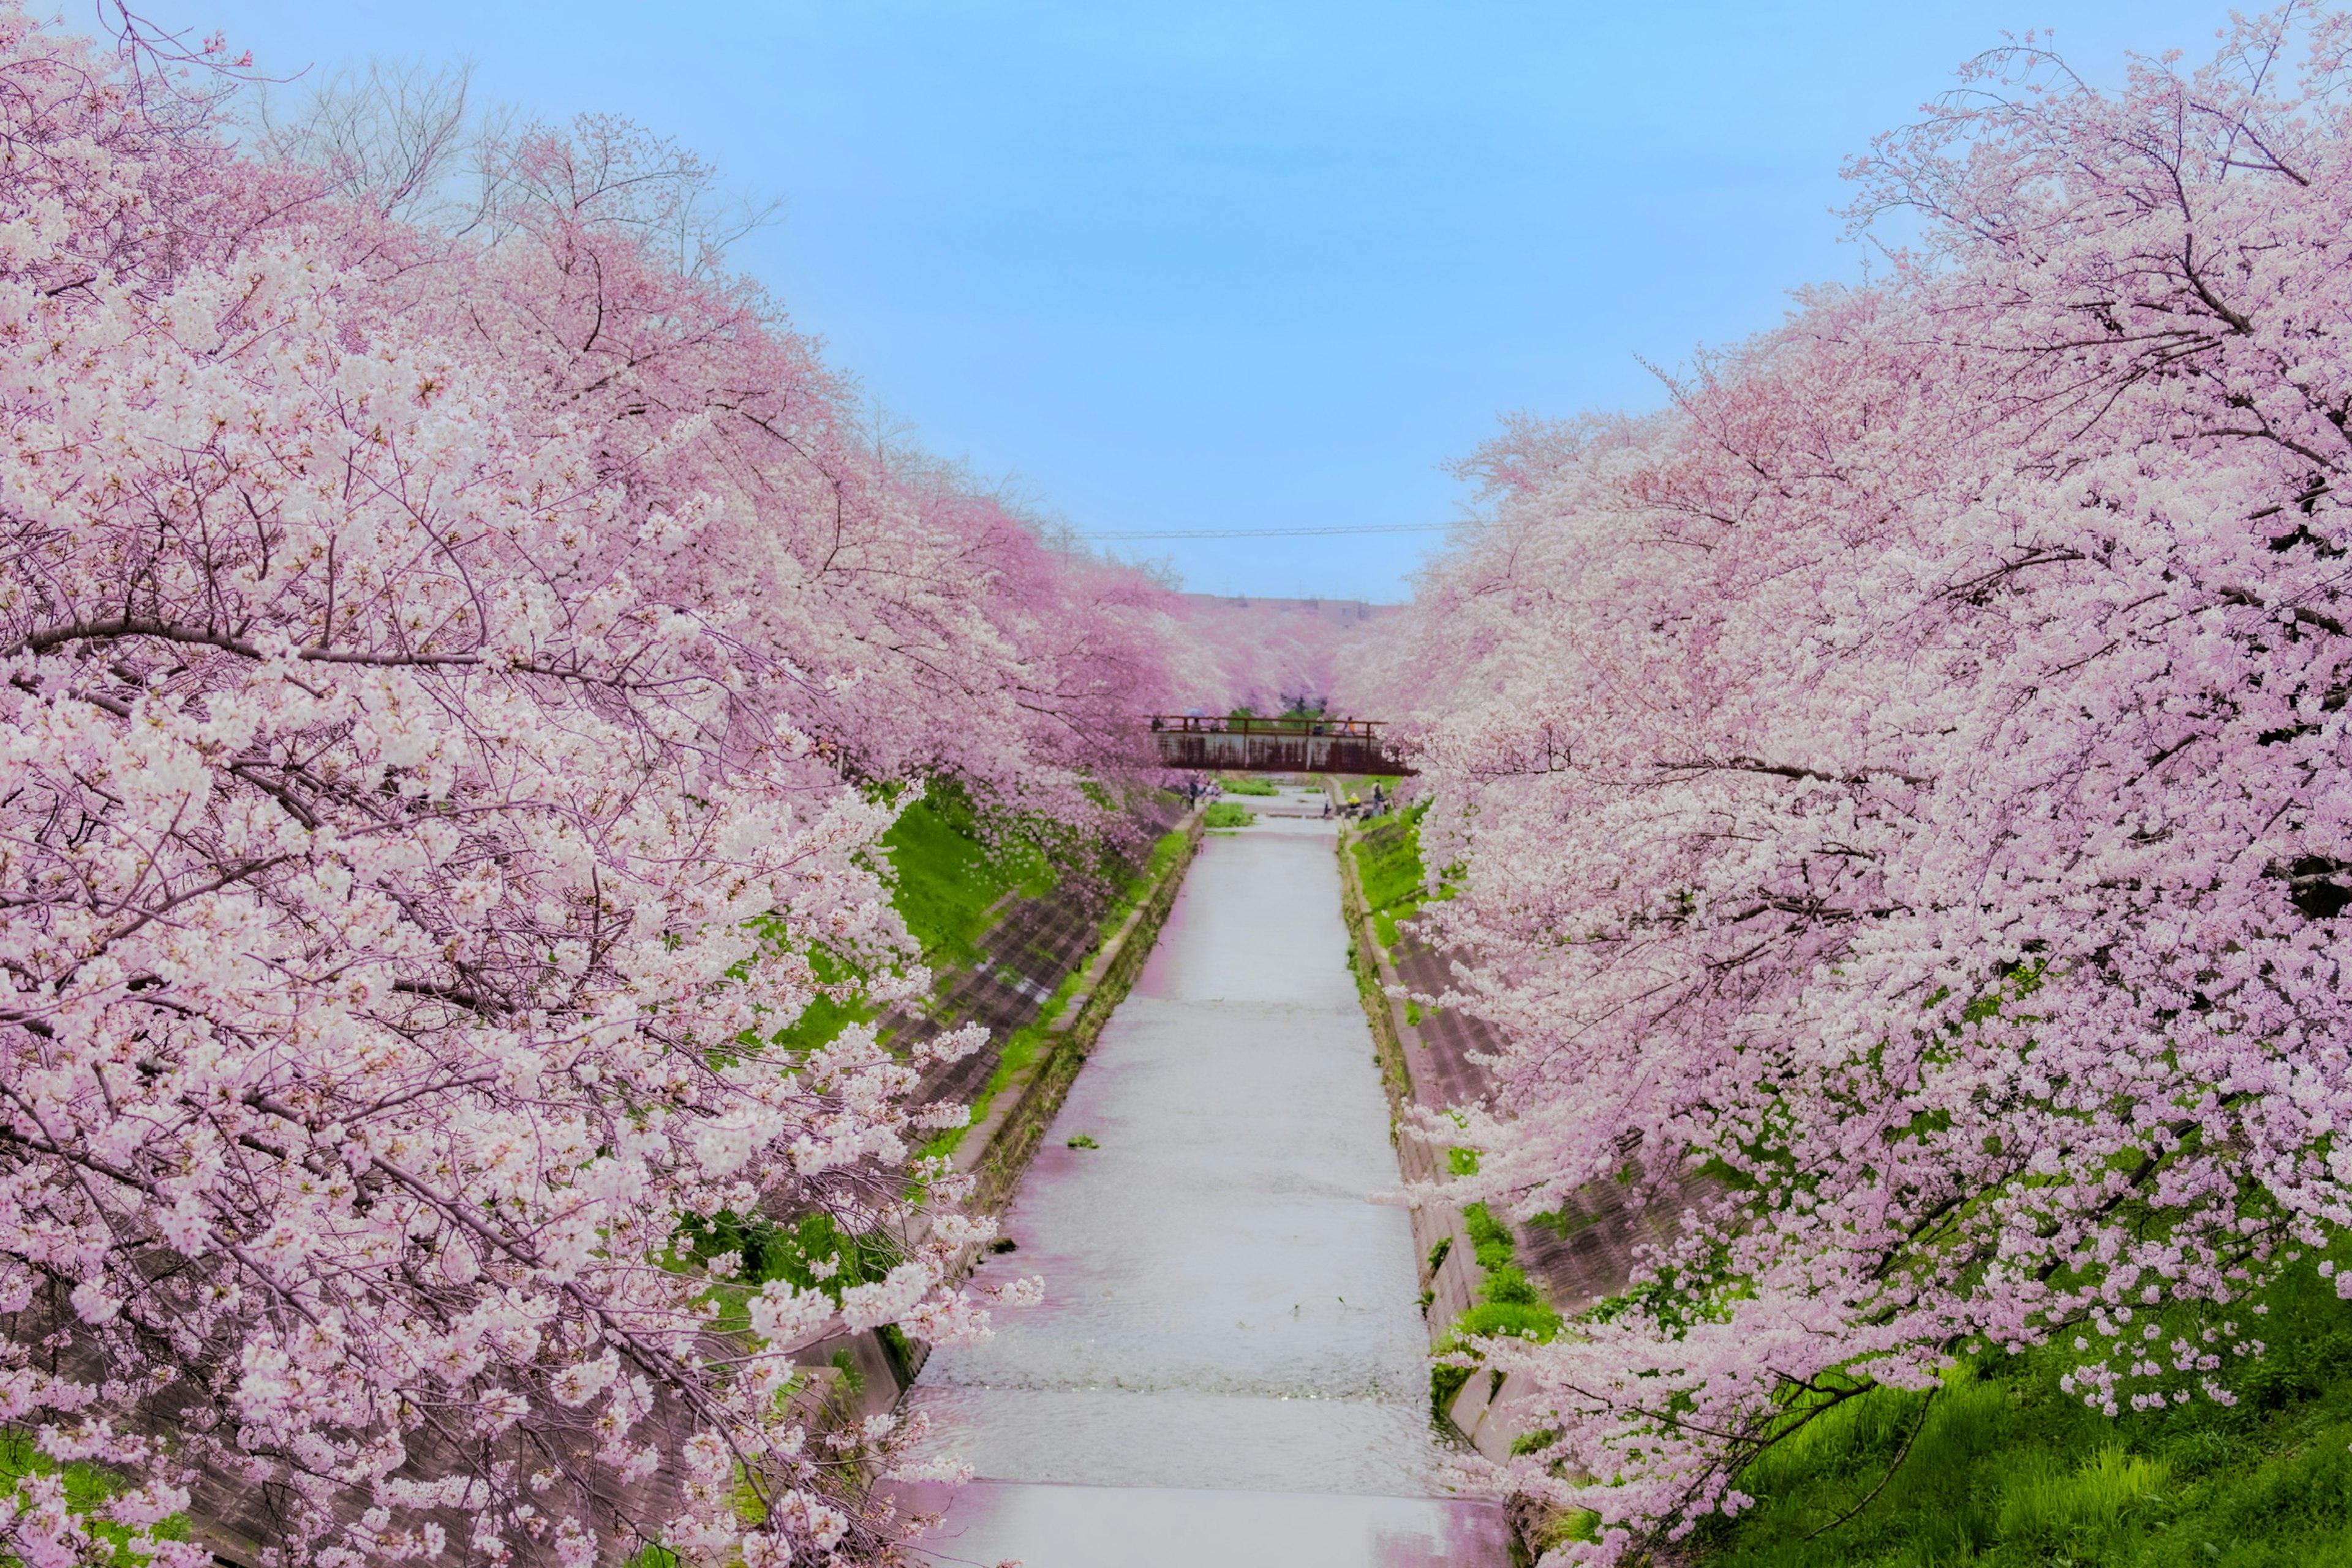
[1231, 1363]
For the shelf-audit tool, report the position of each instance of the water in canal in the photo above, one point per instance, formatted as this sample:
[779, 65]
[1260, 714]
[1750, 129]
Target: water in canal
[1231, 1363]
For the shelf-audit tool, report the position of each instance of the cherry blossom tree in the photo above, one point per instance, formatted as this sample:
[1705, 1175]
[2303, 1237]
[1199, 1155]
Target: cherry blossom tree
[1898, 793]
[447, 679]
[1267, 654]
[923, 626]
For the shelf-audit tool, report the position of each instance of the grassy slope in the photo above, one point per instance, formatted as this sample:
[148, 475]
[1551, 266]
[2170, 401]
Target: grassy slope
[2009, 1472]
[1022, 1046]
[947, 879]
[944, 882]
[87, 1487]
[1508, 1303]
[1388, 863]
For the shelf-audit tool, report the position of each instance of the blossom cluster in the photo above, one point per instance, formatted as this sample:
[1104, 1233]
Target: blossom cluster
[452, 685]
[1896, 797]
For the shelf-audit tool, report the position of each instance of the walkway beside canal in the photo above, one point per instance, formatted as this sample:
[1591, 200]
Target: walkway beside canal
[1231, 1365]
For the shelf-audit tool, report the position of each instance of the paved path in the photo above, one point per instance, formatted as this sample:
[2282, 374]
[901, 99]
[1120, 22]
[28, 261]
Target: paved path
[1231, 1365]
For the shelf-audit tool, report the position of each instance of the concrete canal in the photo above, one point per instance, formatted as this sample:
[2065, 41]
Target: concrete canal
[1231, 1365]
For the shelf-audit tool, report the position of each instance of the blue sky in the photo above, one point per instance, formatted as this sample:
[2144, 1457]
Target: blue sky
[1262, 264]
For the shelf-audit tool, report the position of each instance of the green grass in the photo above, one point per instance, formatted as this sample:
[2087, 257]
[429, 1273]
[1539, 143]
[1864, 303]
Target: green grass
[1508, 1301]
[2008, 1471]
[1024, 1045]
[945, 881]
[1241, 784]
[947, 878]
[767, 1249]
[1225, 813]
[825, 1016]
[1155, 865]
[87, 1486]
[1388, 863]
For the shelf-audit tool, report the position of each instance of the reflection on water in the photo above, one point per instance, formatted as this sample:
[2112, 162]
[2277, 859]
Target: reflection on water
[1224, 1307]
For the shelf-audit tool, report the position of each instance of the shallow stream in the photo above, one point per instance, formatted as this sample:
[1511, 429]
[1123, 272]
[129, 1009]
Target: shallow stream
[1226, 1310]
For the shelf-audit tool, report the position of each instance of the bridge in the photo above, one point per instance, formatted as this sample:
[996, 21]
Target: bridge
[1273, 745]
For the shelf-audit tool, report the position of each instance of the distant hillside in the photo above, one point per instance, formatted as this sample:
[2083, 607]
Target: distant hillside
[1339, 612]
[1269, 652]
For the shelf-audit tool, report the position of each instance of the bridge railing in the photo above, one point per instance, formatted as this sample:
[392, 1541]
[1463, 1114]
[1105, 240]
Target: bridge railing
[1215, 724]
[1308, 746]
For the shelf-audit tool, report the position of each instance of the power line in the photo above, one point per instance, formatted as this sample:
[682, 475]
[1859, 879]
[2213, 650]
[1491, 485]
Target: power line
[1266, 533]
